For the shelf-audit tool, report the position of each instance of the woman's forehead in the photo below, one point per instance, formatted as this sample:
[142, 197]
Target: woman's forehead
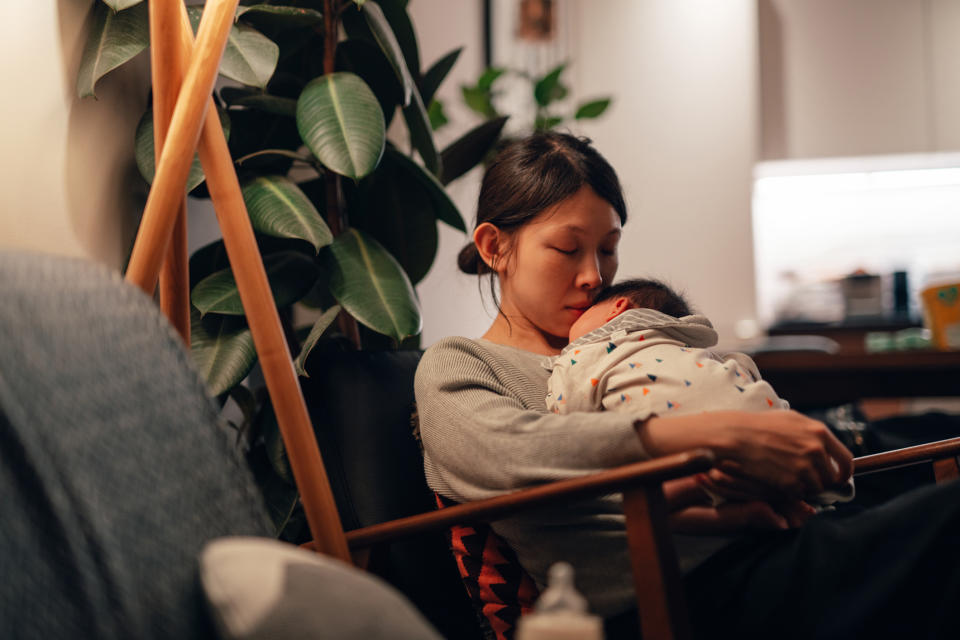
[578, 221]
[582, 212]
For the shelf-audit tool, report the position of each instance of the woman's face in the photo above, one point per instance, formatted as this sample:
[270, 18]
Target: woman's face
[557, 262]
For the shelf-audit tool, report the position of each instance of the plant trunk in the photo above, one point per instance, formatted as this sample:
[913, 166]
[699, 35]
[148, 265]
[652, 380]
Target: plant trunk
[336, 215]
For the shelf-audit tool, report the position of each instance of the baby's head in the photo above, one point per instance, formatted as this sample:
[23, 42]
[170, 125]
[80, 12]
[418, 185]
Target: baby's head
[637, 293]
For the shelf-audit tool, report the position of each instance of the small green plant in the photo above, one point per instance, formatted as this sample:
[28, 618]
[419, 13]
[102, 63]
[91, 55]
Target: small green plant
[548, 93]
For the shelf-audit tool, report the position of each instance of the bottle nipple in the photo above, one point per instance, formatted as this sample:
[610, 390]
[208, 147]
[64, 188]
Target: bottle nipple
[560, 594]
[560, 612]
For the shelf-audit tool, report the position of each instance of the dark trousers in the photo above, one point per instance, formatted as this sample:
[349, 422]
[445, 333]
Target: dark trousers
[886, 565]
[888, 571]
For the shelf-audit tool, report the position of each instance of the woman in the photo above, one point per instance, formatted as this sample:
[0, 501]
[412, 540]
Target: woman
[549, 222]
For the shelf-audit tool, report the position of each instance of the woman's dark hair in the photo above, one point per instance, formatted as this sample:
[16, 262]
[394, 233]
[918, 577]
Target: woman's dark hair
[647, 294]
[534, 173]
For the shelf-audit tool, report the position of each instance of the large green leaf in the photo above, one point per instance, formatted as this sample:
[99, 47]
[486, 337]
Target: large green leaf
[394, 207]
[206, 260]
[282, 16]
[291, 276]
[250, 56]
[421, 133]
[366, 60]
[436, 73]
[384, 37]
[324, 321]
[371, 286]
[222, 349]
[113, 38]
[444, 208]
[396, 14]
[340, 121]
[120, 5]
[144, 151]
[467, 152]
[592, 109]
[279, 208]
[548, 88]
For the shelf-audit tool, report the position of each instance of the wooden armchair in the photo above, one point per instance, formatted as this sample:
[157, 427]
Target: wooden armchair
[384, 501]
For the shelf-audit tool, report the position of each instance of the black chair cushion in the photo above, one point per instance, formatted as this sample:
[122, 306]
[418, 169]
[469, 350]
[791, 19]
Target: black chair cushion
[361, 405]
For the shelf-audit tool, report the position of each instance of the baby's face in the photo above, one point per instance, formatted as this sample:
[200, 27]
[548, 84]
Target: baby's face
[593, 318]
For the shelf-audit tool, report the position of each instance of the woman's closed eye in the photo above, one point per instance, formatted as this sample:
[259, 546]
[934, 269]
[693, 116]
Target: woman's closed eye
[565, 251]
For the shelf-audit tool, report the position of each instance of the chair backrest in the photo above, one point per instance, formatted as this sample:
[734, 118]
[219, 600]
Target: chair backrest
[361, 404]
[114, 470]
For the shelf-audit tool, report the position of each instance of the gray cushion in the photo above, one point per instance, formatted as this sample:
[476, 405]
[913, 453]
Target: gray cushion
[267, 590]
[114, 470]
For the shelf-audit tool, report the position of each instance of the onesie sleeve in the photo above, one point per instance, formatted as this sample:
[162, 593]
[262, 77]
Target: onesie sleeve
[486, 430]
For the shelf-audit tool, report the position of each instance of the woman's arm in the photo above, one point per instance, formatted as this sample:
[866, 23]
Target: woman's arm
[485, 429]
[783, 450]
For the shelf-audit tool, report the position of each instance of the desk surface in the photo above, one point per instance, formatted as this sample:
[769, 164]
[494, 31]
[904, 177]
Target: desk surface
[808, 379]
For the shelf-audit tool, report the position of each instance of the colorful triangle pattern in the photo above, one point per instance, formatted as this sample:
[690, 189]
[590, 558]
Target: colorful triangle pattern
[496, 583]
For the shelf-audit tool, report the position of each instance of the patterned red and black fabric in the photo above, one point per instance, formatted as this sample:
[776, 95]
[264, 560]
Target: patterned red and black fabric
[500, 589]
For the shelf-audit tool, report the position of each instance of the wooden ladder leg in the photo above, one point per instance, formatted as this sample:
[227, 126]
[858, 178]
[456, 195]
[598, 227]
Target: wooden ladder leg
[656, 575]
[193, 104]
[168, 67]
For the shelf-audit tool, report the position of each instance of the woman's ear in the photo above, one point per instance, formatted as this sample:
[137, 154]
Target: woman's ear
[488, 239]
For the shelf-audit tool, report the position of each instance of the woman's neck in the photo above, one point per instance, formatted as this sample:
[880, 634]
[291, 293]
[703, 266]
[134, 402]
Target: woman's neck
[521, 335]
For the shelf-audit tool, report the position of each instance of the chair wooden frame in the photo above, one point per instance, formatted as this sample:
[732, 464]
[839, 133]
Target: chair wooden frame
[189, 72]
[660, 599]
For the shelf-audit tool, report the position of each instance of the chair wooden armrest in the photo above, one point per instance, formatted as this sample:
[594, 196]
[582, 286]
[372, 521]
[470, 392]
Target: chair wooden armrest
[943, 454]
[648, 473]
[660, 599]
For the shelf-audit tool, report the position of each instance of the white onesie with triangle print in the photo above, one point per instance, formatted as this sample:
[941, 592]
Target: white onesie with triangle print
[648, 363]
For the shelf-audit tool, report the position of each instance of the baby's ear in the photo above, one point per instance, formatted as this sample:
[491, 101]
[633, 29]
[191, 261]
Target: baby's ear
[617, 306]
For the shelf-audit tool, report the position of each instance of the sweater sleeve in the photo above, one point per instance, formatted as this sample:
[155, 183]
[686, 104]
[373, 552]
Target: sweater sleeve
[486, 430]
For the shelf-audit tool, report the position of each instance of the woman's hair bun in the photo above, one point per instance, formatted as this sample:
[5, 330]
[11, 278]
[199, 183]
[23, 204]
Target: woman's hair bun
[469, 259]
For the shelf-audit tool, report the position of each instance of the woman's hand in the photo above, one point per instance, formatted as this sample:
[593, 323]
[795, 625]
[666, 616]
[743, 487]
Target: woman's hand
[738, 517]
[791, 455]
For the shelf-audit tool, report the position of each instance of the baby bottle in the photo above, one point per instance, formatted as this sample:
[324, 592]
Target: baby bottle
[560, 612]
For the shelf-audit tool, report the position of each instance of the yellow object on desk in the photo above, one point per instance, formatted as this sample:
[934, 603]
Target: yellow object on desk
[941, 314]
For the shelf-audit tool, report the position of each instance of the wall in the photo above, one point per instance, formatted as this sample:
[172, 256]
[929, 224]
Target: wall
[67, 182]
[451, 300]
[681, 134]
[858, 77]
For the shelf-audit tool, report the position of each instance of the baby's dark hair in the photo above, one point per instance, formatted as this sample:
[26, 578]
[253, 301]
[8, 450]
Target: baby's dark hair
[646, 293]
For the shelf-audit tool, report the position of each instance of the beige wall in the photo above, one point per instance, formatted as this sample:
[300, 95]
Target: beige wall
[451, 300]
[681, 134]
[858, 77]
[65, 165]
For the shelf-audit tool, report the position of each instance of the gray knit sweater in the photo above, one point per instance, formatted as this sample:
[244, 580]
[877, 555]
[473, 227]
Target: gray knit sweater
[486, 431]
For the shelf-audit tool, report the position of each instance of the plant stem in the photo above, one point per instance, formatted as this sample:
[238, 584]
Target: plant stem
[336, 216]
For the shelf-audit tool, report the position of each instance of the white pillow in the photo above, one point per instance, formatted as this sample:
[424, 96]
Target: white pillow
[262, 589]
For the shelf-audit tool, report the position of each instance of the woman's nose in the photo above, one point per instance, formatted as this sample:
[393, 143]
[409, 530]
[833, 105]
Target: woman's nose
[589, 277]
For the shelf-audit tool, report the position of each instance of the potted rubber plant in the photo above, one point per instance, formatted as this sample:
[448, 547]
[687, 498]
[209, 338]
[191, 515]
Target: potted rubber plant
[346, 219]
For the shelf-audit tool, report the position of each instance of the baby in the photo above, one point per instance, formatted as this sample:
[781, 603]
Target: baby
[640, 349]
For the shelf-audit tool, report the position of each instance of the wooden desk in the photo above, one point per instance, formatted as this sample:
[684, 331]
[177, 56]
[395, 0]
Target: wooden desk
[809, 380]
